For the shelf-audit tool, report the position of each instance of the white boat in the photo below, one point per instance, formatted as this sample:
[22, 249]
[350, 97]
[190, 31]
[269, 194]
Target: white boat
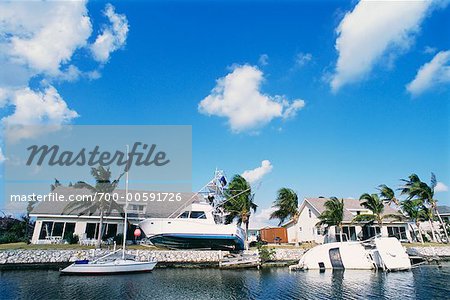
[380, 253]
[199, 224]
[108, 264]
[109, 267]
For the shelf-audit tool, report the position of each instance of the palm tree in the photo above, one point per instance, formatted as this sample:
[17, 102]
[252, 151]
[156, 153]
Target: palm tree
[100, 202]
[416, 211]
[387, 195]
[239, 204]
[414, 188]
[287, 207]
[376, 206]
[333, 215]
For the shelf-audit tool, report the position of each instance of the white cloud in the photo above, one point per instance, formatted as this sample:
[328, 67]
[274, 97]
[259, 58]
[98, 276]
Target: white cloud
[431, 74]
[258, 173]
[113, 37]
[440, 187]
[38, 40]
[33, 108]
[46, 38]
[263, 60]
[262, 219]
[237, 96]
[373, 30]
[302, 59]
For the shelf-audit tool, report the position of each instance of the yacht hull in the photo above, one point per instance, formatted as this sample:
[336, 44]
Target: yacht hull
[193, 234]
[198, 241]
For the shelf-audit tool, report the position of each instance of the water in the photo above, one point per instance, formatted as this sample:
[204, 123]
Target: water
[427, 282]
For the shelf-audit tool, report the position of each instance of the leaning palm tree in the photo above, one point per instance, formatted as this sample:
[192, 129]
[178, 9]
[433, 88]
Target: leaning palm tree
[333, 215]
[415, 211]
[376, 206]
[239, 204]
[286, 206]
[100, 201]
[387, 195]
[414, 188]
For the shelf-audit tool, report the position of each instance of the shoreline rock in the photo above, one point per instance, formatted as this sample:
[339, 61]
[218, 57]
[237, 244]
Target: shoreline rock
[166, 258]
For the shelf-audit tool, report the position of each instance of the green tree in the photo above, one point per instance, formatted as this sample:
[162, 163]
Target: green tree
[333, 215]
[286, 206]
[376, 206]
[414, 188]
[101, 202]
[416, 211]
[239, 204]
[387, 195]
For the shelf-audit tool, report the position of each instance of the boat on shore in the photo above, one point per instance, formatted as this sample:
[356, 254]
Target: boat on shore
[199, 224]
[378, 253]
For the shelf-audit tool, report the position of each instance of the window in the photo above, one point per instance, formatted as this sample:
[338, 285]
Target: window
[300, 228]
[70, 228]
[58, 228]
[309, 212]
[184, 215]
[138, 208]
[397, 231]
[198, 215]
[91, 230]
[46, 230]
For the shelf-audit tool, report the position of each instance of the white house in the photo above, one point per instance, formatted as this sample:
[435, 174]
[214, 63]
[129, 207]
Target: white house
[53, 221]
[307, 230]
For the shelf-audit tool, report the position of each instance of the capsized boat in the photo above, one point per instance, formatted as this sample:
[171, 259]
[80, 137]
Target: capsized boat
[379, 253]
[199, 224]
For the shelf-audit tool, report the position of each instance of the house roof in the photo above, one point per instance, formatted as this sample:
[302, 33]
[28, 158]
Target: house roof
[349, 204]
[155, 209]
[443, 209]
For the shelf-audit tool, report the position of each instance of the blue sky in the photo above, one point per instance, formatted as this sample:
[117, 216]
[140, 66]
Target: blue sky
[321, 138]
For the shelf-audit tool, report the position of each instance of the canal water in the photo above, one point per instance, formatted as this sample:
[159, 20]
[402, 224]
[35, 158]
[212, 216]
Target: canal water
[425, 282]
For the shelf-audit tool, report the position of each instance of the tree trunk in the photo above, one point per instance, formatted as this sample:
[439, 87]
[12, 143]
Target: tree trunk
[442, 223]
[420, 232]
[100, 230]
[246, 234]
[432, 230]
[296, 230]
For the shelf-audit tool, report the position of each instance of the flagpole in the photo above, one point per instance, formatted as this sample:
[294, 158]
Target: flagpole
[125, 224]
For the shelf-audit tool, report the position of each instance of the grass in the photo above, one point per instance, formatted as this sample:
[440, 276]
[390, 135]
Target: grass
[428, 244]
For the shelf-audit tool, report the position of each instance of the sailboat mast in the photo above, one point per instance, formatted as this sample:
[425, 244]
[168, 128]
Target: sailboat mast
[125, 223]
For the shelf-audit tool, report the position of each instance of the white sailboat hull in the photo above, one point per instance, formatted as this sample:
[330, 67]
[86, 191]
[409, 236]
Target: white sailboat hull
[119, 266]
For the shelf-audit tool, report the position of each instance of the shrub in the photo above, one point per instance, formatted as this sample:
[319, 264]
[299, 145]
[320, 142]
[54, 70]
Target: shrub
[71, 238]
[265, 254]
[118, 238]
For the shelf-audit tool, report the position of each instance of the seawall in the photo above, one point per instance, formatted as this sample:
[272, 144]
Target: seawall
[180, 258]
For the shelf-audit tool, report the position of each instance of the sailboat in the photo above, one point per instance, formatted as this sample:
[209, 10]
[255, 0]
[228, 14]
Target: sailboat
[199, 224]
[111, 263]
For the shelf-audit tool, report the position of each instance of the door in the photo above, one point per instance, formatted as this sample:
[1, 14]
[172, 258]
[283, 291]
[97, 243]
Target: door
[335, 258]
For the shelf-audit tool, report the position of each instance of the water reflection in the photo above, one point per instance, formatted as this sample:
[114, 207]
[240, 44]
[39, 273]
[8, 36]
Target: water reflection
[276, 283]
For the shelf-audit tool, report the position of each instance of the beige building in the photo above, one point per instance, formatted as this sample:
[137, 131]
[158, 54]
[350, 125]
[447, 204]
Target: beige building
[307, 230]
[53, 222]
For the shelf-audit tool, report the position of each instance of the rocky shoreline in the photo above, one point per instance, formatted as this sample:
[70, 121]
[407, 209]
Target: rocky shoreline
[167, 258]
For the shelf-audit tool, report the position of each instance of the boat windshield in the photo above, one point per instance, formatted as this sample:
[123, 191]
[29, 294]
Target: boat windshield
[198, 215]
[184, 215]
